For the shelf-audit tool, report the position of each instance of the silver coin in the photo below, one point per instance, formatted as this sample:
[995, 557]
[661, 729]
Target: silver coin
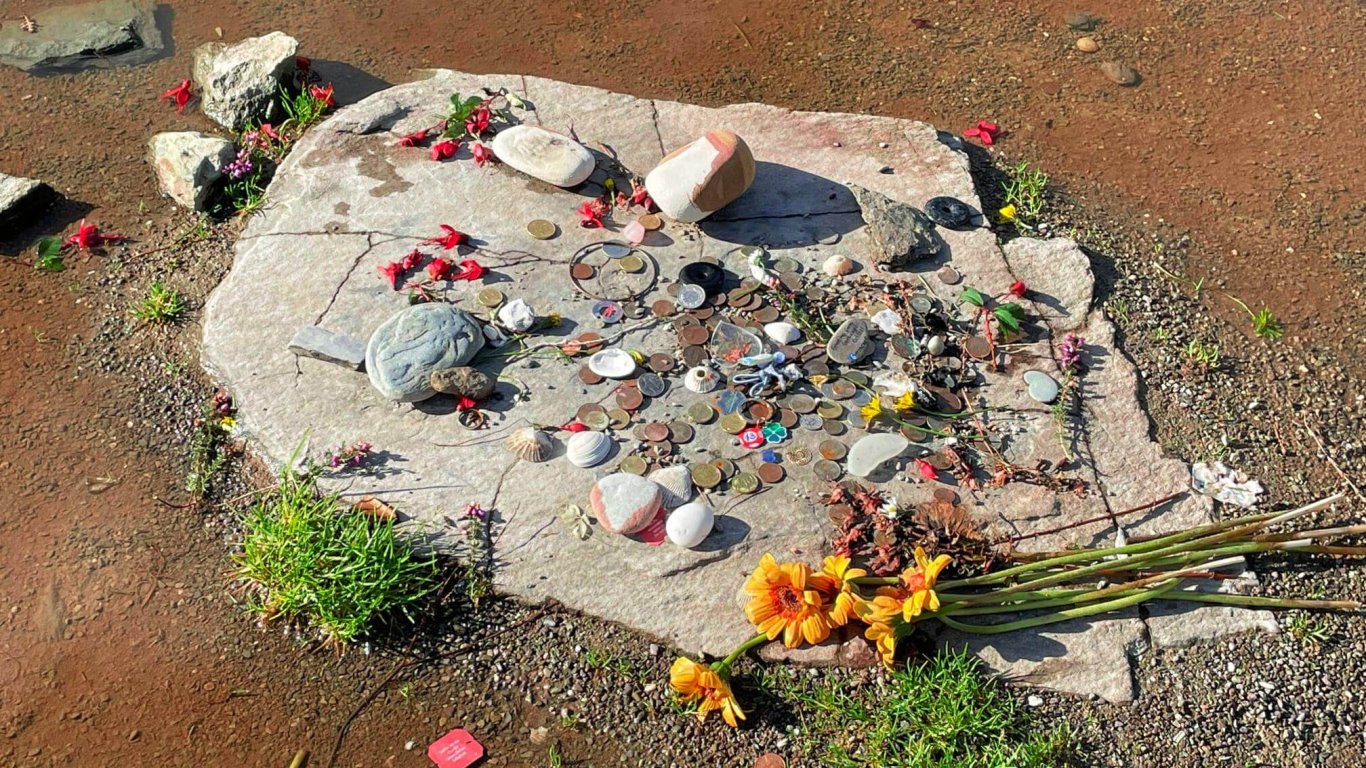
[786, 265]
[651, 385]
[691, 296]
[861, 398]
[615, 250]
[811, 421]
[921, 304]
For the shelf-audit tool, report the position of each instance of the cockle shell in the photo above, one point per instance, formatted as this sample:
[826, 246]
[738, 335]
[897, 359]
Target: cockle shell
[588, 449]
[837, 265]
[529, 444]
[612, 364]
[782, 333]
[700, 379]
[676, 482]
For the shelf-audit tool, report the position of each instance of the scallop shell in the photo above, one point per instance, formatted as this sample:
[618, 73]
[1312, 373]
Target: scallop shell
[612, 363]
[676, 482]
[529, 444]
[838, 265]
[700, 380]
[588, 449]
[782, 333]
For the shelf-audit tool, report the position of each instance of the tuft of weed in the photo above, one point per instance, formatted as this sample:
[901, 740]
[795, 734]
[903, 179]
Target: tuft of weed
[162, 304]
[1024, 189]
[1201, 355]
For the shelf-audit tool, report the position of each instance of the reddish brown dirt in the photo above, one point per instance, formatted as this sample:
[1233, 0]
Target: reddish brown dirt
[119, 646]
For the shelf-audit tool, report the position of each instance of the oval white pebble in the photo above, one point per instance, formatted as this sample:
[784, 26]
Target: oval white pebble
[690, 524]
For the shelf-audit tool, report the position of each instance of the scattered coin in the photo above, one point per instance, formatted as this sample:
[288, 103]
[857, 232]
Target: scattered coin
[587, 376]
[811, 421]
[680, 431]
[726, 467]
[948, 275]
[596, 420]
[650, 222]
[695, 335]
[656, 431]
[630, 398]
[801, 403]
[832, 450]
[694, 356]
[916, 435]
[615, 250]
[632, 263]
[978, 347]
[861, 398]
[746, 482]
[939, 461]
[732, 423]
[663, 308]
[842, 389]
[839, 513]
[705, 475]
[759, 411]
[620, 419]
[542, 229]
[634, 465]
[730, 401]
[834, 428]
[827, 470]
[788, 418]
[651, 385]
[586, 409]
[817, 368]
[490, 297]
[858, 378]
[691, 296]
[582, 271]
[827, 237]
[945, 496]
[703, 313]
[921, 304]
[660, 363]
[905, 346]
[767, 314]
[786, 265]
[829, 410]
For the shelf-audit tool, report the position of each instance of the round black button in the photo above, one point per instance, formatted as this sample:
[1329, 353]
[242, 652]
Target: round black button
[949, 212]
[708, 277]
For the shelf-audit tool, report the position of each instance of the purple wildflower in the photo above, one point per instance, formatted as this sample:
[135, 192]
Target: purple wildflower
[1069, 351]
[241, 166]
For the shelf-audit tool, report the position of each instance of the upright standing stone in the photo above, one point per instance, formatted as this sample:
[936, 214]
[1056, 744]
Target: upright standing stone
[241, 82]
[188, 164]
[405, 350]
[700, 178]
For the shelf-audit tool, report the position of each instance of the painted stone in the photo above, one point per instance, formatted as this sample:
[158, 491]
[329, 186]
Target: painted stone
[871, 451]
[702, 177]
[850, 343]
[690, 524]
[1042, 387]
[900, 233]
[406, 348]
[551, 157]
[625, 503]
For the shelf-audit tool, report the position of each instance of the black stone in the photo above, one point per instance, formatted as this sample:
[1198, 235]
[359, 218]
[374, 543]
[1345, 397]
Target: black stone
[949, 212]
[708, 277]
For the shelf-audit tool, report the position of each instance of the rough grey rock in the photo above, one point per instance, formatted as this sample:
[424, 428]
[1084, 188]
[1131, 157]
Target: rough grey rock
[188, 165]
[902, 234]
[404, 351]
[322, 344]
[241, 82]
[348, 202]
[1059, 277]
[21, 199]
[75, 37]
[463, 382]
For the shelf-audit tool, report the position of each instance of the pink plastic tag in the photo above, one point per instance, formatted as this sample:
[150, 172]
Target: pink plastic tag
[457, 749]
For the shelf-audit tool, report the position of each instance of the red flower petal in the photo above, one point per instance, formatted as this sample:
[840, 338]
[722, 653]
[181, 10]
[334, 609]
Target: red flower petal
[469, 270]
[1018, 289]
[573, 426]
[927, 469]
[444, 150]
[413, 139]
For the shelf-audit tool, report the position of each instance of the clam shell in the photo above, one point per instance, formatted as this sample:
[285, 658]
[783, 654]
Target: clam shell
[700, 379]
[612, 363]
[782, 333]
[837, 265]
[677, 484]
[588, 449]
[529, 444]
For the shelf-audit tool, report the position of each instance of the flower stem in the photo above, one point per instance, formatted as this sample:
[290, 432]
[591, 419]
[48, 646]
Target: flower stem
[725, 663]
[1053, 618]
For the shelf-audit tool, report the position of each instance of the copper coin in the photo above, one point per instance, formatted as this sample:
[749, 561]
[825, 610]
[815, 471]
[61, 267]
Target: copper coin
[978, 347]
[656, 431]
[790, 280]
[662, 308]
[705, 475]
[694, 356]
[634, 465]
[660, 362]
[582, 271]
[945, 496]
[686, 321]
[817, 368]
[725, 466]
[680, 431]
[702, 313]
[651, 222]
[916, 435]
[789, 353]
[770, 473]
[587, 376]
[490, 297]
[674, 289]
[842, 389]
[839, 513]
[701, 413]
[695, 336]
[939, 461]
[766, 315]
[802, 403]
[571, 347]
[620, 419]
[948, 275]
[717, 300]
[759, 411]
[638, 432]
[788, 418]
[827, 470]
[590, 341]
[744, 482]
[588, 408]
[770, 760]
[629, 398]
[832, 450]
[660, 449]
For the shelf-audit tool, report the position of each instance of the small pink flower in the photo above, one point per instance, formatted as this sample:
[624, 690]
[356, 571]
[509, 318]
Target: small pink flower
[984, 131]
[482, 154]
[444, 150]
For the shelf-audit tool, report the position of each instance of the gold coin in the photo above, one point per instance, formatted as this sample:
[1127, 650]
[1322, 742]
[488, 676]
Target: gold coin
[701, 413]
[632, 263]
[705, 475]
[634, 465]
[620, 419]
[650, 221]
[596, 420]
[744, 482]
[829, 410]
[542, 229]
[490, 297]
[732, 423]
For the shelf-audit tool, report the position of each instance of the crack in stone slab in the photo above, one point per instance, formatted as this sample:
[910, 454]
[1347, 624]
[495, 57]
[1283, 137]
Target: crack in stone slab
[654, 120]
[768, 217]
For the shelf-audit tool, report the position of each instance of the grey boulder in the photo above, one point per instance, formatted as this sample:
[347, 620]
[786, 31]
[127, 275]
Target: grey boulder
[20, 199]
[405, 350]
[85, 36]
[188, 164]
[901, 234]
[241, 82]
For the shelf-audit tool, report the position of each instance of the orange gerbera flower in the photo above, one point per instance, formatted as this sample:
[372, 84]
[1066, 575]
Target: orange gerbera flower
[835, 584]
[919, 581]
[781, 602]
[883, 616]
[706, 686]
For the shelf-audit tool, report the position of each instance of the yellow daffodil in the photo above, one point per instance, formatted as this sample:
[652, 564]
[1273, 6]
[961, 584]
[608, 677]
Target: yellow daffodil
[835, 582]
[781, 602]
[704, 685]
[871, 410]
[227, 423]
[1008, 213]
[884, 636]
[904, 403]
[919, 582]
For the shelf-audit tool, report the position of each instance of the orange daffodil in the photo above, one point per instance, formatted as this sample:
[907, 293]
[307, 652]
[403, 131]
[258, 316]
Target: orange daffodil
[706, 686]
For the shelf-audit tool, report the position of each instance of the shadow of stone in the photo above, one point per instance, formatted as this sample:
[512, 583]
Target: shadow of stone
[786, 207]
[50, 215]
[350, 84]
[726, 532]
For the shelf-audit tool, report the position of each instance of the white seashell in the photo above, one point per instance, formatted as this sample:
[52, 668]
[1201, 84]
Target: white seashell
[517, 316]
[676, 482]
[887, 321]
[935, 345]
[690, 524]
[612, 363]
[700, 379]
[588, 449]
[782, 333]
[838, 265]
[529, 444]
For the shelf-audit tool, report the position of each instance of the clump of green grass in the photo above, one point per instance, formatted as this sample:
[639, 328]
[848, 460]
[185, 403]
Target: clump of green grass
[308, 558]
[50, 257]
[1024, 189]
[162, 304]
[1201, 355]
[937, 713]
[1264, 322]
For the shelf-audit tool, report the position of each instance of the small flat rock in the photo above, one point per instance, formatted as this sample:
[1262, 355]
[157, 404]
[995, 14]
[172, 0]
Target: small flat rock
[322, 344]
[551, 157]
[901, 234]
[241, 82]
[850, 343]
[872, 450]
[625, 503]
[76, 37]
[406, 348]
[20, 199]
[1042, 387]
[188, 165]
[463, 381]
[1081, 21]
[1120, 73]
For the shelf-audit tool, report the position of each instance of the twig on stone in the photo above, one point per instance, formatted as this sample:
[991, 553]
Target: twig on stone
[1099, 519]
[605, 340]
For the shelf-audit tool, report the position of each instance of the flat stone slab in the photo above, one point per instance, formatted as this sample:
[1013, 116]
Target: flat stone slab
[348, 200]
[83, 36]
